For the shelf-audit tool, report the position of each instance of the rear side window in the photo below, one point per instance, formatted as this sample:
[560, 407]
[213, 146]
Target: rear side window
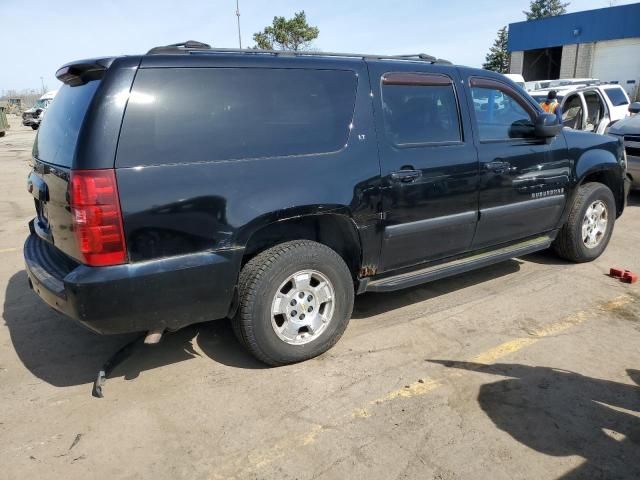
[419, 114]
[617, 96]
[58, 133]
[183, 115]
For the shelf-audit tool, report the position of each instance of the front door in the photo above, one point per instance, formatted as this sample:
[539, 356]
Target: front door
[429, 163]
[523, 179]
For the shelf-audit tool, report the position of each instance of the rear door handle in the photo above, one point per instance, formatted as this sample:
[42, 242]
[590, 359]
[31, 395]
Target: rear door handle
[406, 176]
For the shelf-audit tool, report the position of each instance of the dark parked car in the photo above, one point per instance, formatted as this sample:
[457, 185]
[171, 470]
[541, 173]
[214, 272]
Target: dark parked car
[629, 130]
[191, 184]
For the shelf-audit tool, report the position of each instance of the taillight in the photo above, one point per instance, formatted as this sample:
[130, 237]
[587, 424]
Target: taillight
[97, 219]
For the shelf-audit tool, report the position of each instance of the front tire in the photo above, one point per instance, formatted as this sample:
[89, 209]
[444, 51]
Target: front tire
[34, 127]
[588, 229]
[296, 300]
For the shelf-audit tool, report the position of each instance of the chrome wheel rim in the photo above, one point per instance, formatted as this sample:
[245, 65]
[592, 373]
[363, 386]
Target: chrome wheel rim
[302, 307]
[594, 224]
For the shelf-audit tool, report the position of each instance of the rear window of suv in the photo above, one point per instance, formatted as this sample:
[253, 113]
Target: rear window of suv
[617, 96]
[58, 132]
[183, 115]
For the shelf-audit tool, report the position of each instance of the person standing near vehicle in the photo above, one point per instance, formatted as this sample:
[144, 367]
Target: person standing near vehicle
[551, 105]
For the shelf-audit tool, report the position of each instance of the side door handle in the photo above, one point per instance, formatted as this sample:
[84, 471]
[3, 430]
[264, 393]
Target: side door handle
[406, 176]
[498, 166]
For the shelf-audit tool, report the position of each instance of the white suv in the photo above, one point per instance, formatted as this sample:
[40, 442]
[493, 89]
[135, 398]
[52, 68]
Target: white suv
[593, 108]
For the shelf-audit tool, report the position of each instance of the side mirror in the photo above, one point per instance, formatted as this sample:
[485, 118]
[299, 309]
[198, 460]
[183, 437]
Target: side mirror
[634, 107]
[547, 125]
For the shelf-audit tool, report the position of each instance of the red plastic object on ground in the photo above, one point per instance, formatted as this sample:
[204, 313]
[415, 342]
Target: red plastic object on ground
[627, 276]
[616, 272]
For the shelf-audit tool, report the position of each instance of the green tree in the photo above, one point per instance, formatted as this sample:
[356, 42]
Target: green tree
[287, 34]
[545, 8]
[498, 57]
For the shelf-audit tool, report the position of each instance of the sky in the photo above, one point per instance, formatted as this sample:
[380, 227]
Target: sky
[38, 36]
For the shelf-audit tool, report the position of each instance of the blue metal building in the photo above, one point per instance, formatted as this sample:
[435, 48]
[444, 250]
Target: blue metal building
[602, 43]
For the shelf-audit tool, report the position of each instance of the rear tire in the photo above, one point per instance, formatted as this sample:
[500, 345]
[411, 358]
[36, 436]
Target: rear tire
[295, 301]
[589, 226]
[34, 127]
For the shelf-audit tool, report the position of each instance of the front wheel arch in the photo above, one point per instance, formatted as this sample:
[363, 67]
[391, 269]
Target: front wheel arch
[570, 243]
[609, 177]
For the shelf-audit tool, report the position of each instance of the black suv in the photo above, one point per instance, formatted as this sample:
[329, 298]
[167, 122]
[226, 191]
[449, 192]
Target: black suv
[190, 184]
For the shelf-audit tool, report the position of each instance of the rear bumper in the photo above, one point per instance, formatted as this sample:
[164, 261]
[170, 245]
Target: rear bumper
[168, 293]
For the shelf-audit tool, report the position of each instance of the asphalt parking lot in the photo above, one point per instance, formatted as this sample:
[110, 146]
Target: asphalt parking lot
[525, 370]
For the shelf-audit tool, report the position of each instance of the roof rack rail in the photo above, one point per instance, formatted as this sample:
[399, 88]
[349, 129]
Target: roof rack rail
[181, 47]
[193, 47]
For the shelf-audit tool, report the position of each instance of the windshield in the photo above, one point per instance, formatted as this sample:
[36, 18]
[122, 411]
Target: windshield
[42, 103]
[58, 134]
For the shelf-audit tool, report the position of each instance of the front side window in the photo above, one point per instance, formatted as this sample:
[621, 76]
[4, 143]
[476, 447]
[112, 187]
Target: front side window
[499, 115]
[183, 115]
[419, 114]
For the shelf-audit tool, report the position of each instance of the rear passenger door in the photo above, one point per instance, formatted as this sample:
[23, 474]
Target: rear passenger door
[429, 166]
[523, 178]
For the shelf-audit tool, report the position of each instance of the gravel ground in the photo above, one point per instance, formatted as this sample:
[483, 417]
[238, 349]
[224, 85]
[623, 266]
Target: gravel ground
[525, 370]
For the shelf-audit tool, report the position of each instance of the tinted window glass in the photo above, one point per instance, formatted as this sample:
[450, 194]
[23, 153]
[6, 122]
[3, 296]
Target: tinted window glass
[420, 114]
[58, 133]
[617, 96]
[499, 115]
[188, 115]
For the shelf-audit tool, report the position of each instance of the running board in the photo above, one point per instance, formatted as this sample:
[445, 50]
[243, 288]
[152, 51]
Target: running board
[455, 267]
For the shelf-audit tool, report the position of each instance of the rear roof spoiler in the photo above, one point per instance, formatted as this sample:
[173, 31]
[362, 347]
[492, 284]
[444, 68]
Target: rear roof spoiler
[83, 71]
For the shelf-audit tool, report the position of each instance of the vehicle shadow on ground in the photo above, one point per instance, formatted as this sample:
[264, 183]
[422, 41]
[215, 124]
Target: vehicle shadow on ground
[63, 353]
[546, 257]
[562, 413]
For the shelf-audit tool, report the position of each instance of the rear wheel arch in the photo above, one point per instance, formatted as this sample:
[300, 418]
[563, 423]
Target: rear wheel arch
[337, 231]
[281, 320]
